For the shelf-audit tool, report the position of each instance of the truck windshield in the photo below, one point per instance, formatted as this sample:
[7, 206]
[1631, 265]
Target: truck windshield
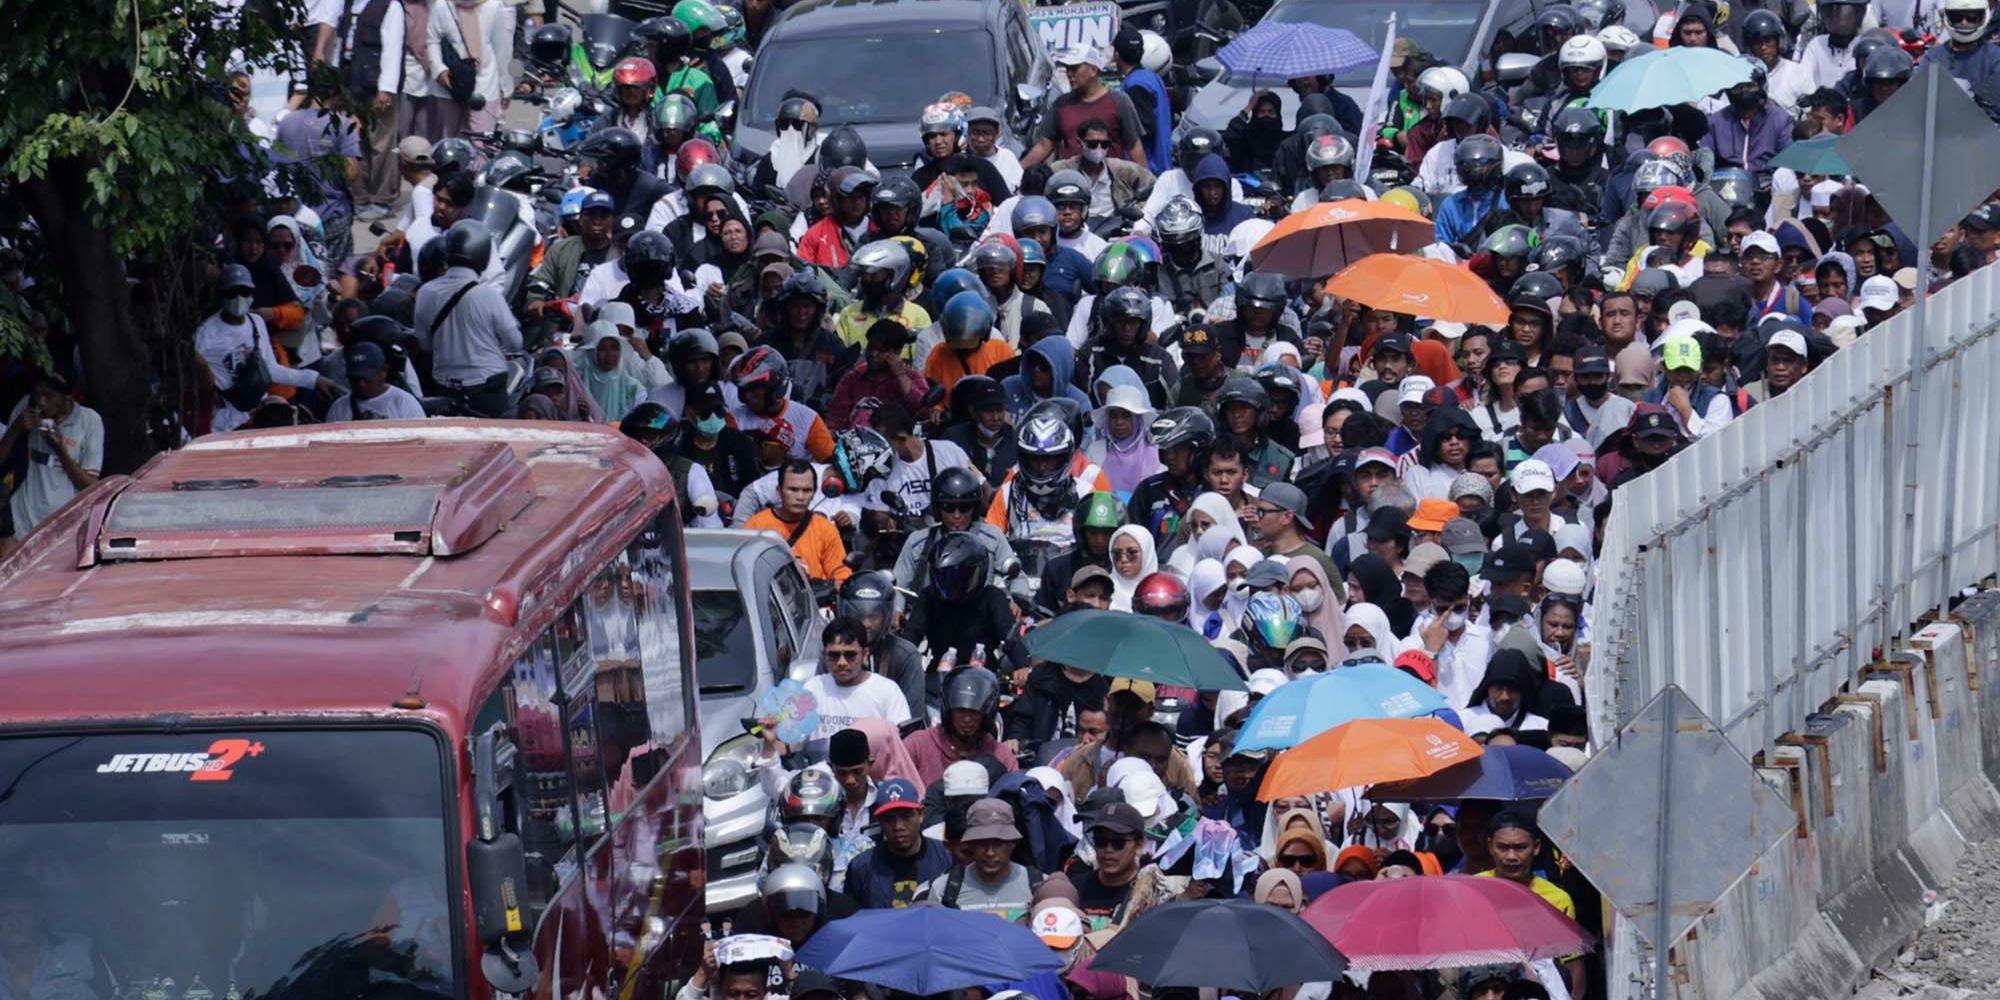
[225, 866]
[859, 79]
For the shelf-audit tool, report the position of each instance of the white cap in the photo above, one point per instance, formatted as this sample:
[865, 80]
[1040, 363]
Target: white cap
[1413, 387]
[1823, 192]
[967, 778]
[619, 314]
[1079, 54]
[1760, 240]
[1789, 339]
[1266, 680]
[1531, 475]
[1447, 329]
[1146, 793]
[1569, 757]
[1129, 398]
[1564, 576]
[1685, 309]
[1879, 292]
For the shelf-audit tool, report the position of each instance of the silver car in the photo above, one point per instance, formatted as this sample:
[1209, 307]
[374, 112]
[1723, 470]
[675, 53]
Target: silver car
[755, 625]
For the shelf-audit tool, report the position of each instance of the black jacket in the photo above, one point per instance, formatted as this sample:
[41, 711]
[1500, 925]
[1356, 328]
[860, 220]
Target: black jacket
[1038, 714]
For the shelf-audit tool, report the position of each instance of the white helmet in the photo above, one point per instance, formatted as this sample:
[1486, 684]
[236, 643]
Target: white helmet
[1965, 31]
[1443, 81]
[1155, 55]
[1618, 38]
[1583, 50]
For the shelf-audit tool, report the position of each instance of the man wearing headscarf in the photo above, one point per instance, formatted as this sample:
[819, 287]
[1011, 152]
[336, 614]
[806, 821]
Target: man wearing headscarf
[1502, 698]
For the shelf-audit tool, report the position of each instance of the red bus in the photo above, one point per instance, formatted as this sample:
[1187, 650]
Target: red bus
[368, 710]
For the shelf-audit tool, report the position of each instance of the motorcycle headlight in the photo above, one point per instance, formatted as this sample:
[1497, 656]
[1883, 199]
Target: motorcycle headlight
[731, 768]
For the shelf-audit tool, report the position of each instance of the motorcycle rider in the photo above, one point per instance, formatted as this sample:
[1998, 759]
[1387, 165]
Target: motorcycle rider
[832, 240]
[1122, 339]
[1553, 27]
[664, 435]
[1036, 502]
[1752, 129]
[1096, 517]
[870, 600]
[882, 274]
[1262, 316]
[1067, 270]
[797, 113]
[894, 211]
[1527, 187]
[1968, 55]
[1191, 277]
[613, 154]
[1330, 158]
[1503, 259]
[1765, 38]
[1576, 177]
[1183, 436]
[767, 412]
[1477, 159]
[633, 82]
[661, 300]
[1829, 57]
[998, 267]
[1583, 60]
[1887, 69]
[982, 426]
[956, 496]
[466, 325]
[568, 262]
[1069, 191]
[1243, 407]
[970, 695]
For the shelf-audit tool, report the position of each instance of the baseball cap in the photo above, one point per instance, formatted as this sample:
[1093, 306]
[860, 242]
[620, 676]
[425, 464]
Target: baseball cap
[1533, 475]
[1080, 55]
[1375, 456]
[1397, 342]
[1057, 923]
[1985, 218]
[1089, 573]
[1470, 484]
[1412, 389]
[1197, 341]
[1878, 292]
[1654, 423]
[1431, 513]
[989, 819]
[1462, 537]
[600, 199]
[1287, 497]
[1790, 340]
[1418, 663]
[1591, 360]
[898, 793]
[1507, 350]
[1682, 311]
[1143, 690]
[1906, 279]
[1146, 793]
[967, 778]
[1423, 557]
[1265, 573]
[1118, 817]
[731, 339]
[364, 360]
[1405, 50]
[1508, 563]
[1447, 329]
[414, 151]
[1680, 352]
[1761, 240]
[547, 376]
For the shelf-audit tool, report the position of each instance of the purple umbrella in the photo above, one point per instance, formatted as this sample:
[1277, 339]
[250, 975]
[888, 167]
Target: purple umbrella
[1287, 51]
[1501, 774]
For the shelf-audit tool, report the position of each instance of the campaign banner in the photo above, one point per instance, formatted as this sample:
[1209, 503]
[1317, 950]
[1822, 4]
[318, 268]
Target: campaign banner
[1076, 24]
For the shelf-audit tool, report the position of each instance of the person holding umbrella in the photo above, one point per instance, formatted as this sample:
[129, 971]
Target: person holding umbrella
[1514, 843]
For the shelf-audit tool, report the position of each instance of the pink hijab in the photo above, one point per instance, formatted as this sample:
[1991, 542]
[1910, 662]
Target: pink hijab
[887, 756]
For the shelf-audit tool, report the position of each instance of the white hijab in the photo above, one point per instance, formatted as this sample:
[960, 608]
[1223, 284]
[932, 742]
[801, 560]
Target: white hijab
[1375, 622]
[1122, 586]
[1204, 580]
[1066, 812]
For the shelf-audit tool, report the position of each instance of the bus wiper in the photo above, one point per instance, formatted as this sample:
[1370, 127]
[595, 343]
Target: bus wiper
[15, 782]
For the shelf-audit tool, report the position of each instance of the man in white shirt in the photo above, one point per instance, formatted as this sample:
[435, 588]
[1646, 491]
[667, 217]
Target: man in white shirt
[1456, 644]
[982, 137]
[916, 461]
[370, 396]
[849, 692]
[228, 337]
[65, 452]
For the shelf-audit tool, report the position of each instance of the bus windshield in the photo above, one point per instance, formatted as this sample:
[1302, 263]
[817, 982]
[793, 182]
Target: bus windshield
[226, 865]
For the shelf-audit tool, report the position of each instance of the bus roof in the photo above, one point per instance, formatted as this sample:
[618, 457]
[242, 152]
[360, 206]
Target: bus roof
[289, 611]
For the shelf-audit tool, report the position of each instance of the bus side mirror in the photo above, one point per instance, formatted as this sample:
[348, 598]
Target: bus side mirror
[496, 871]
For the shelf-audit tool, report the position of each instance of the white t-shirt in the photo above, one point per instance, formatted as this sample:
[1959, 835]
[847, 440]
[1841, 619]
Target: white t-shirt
[913, 479]
[46, 486]
[392, 404]
[876, 697]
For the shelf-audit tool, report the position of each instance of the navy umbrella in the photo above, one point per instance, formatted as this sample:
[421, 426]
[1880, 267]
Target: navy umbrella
[927, 949]
[1501, 774]
[1229, 944]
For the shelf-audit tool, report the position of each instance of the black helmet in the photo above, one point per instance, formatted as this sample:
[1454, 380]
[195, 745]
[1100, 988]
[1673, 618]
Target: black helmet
[1559, 255]
[1068, 187]
[710, 177]
[1194, 144]
[1125, 302]
[1183, 425]
[468, 244]
[688, 345]
[1313, 126]
[1763, 25]
[614, 148]
[1266, 291]
[1471, 109]
[1674, 217]
[842, 147]
[1888, 63]
[1560, 18]
[1533, 291]
[649, 258]
[509, 168]
[430, 260]
[1577, 128]
[972, 687]
[1527, 180]
[1478, 160]
[959, 564]
[549, 45]
[450, 156]
[899, 190]
[647, 419]
[670, 38]
[1243, 389]
[956, 486]
[1867, 45]
[870, 593]
[799, 113]
[1343, 189]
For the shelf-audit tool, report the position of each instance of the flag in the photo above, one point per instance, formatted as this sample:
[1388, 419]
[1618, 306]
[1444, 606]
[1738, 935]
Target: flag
[1378, 107]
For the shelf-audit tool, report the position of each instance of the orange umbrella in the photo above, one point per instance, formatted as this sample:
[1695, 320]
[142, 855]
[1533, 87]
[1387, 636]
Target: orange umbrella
[1333, 234]
[1364, 752]
[1419, 286]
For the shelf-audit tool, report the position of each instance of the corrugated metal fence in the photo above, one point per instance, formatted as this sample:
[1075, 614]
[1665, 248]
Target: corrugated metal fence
[1761, 567]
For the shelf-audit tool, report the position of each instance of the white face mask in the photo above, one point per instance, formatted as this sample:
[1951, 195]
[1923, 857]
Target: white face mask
[236, 306]
[1309, 598]
[1095, 155]
[1454, 621]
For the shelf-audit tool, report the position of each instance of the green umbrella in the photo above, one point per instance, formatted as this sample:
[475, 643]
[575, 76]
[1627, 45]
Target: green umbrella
[1123, 644]
[1813, 156]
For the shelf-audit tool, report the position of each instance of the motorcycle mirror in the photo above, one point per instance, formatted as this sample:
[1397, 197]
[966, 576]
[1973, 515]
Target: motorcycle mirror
[725, 116]
[1028, 93]
[1205, 70]
[1011, 568]
[1511, 69]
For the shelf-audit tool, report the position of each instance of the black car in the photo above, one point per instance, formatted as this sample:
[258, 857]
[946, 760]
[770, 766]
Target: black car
[876, 64]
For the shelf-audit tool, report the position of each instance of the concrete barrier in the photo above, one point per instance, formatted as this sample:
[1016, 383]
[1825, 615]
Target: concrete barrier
[1890, 782]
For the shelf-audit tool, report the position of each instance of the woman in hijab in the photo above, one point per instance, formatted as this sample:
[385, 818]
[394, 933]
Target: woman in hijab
[1280, 888]
[1300, 849]
[1287, 814]
[572, 403]
[1253, 139]
[1132, 559]
[1207, 585]
[1235, 566]
[291, 259]
[1310, 586]
[601, 362]
[1120, 446]
[1371, 576]
[887, 757]
[1365, 621]
[729, 251]
[1209, 531]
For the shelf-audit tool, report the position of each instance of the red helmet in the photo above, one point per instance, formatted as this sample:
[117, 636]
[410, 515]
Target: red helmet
[1162, 595]
[633, 71]
[693, 153]
[1667, 145]
[1672, 192]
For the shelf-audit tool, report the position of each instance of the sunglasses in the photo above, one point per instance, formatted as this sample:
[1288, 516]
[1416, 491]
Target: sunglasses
[1125, 555]
[1296, 860]
[842, 655]
[1109, 842]
[957, 508]
[1308, 664]
[1097, 144]
[1460, 434]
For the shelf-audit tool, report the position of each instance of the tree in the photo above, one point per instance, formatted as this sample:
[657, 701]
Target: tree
[117, 140]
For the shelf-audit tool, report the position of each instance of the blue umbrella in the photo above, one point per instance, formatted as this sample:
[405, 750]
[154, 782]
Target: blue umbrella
[927, 950]
[1298, 711]
[1501, 774]
[1660, 77]
[1287, 51]
[1814, 156]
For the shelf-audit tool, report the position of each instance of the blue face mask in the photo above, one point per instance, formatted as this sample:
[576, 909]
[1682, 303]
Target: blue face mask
[709, 426]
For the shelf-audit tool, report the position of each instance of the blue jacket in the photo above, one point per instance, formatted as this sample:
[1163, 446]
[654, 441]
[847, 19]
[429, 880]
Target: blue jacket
[1160, 149]
[1068, 274]
[1214, 168]
[1462, 214]
[871, 883]
[1061, 357]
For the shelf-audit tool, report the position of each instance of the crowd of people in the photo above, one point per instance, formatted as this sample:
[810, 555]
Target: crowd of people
[1023, 378]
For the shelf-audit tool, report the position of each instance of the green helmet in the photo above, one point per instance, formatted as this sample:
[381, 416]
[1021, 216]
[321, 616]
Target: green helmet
[1119, 264]
[675, 111]
[1100, 510]
[1512, 241]
[699, 16]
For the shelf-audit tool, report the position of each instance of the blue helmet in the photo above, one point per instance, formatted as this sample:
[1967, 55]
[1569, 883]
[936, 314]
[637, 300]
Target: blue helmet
[572, 202]
[967, 320]
[861, 455]
[950, 283]
[1033, 211]
[1032, 253]
[1272, 620]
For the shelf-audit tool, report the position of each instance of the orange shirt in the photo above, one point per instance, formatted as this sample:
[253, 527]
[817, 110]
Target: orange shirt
[944, 368]
[818, 547]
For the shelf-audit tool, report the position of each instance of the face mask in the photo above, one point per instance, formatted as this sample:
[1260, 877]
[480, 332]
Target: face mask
[1454, 621]
[1309, 597]
[1594, 392]
[236, 306]
[1095, 154]
[709, 426]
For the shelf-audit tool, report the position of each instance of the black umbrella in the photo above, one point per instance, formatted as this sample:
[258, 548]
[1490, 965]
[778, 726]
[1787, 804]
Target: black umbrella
[1229, 944]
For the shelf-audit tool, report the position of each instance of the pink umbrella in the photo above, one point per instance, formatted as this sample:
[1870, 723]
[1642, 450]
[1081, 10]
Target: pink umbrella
[1442, 922]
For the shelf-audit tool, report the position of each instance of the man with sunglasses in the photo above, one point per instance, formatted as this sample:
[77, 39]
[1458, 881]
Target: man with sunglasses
[1114, 182]
[956, 500]
[849, 692]
[1970, 57]
[1279, 514]
[1118, 839]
